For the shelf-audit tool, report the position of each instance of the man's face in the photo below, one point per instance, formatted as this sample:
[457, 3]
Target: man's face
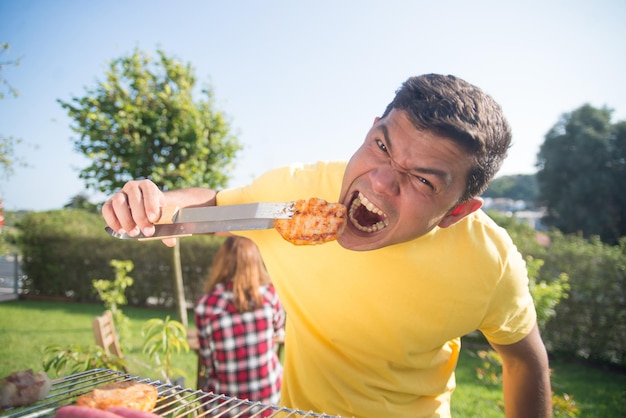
[400, 184]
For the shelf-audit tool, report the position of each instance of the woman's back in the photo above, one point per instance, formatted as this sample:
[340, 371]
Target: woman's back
[237, 319]
[238, 347]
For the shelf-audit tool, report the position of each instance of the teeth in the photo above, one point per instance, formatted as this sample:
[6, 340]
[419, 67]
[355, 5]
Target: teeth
[362, 201]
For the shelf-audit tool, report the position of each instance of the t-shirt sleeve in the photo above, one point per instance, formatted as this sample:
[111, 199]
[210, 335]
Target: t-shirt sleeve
[511, 314]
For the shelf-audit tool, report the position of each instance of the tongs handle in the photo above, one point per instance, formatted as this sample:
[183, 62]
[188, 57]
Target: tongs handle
[168, 215]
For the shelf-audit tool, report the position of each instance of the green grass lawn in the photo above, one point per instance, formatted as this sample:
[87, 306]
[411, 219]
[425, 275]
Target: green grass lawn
[27, 327]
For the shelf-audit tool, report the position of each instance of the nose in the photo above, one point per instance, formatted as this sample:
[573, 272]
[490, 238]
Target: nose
[385, 179]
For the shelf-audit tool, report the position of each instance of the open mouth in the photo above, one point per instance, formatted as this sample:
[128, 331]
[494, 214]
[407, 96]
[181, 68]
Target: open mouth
[365, 216]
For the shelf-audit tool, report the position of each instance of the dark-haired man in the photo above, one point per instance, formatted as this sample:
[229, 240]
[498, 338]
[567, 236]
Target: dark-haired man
[375, 319]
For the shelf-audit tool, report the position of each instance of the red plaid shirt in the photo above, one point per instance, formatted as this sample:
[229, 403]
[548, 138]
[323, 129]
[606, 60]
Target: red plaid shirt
[238, 348]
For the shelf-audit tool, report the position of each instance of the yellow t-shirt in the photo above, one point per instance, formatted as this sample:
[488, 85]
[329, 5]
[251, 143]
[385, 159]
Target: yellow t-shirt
[377, 333]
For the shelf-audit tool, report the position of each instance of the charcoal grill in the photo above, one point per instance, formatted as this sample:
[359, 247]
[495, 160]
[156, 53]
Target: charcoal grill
[173, 401]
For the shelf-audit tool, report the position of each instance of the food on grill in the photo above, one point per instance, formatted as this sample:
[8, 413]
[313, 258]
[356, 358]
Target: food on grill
[129, 394]
[75, 411]
[23, 388]
[171, 400]
[314, 221]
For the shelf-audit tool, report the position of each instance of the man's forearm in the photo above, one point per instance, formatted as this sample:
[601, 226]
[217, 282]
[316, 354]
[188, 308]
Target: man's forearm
[190, 197]
[526, 377]
[527, 393]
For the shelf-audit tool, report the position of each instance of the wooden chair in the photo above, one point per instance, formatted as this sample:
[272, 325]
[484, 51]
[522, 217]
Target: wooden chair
[104, 332]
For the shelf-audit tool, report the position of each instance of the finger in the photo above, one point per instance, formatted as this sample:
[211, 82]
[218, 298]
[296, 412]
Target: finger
[117, 214]
[153, 200]
[170, 242]
[143, 200]
[109, 216]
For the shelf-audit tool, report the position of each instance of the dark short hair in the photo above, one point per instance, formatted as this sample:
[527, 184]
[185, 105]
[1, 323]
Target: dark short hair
[456, 109]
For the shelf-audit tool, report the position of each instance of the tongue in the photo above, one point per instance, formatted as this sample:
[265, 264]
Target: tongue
[365, 217]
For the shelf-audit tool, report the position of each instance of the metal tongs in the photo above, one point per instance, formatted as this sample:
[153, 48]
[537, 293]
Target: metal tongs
[175, 222]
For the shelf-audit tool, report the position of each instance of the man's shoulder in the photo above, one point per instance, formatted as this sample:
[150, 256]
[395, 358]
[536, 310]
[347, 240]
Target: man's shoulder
[298, 181]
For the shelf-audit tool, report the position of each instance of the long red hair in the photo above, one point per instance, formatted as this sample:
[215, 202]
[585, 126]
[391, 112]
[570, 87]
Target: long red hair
[239, 261]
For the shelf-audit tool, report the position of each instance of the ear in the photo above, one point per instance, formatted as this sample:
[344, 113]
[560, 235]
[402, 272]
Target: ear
[461, 211]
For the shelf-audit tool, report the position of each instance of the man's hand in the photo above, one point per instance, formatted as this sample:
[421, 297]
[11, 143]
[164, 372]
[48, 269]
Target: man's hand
[526, 377]
[135, 208]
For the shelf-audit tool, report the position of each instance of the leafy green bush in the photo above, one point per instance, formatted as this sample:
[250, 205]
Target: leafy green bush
[490, 370]
[590, 322]
[64, 250]
[546, 295]
[166, 337]
[74, 358]
[113, 294]
[564, 406]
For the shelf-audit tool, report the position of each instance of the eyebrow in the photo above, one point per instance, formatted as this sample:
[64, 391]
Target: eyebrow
[443, 175]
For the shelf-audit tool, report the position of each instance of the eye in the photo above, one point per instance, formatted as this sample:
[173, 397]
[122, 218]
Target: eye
[382, 145]
[421, 182]
[424, 181]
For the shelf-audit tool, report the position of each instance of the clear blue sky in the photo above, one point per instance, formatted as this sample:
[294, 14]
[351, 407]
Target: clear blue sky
[303, 81]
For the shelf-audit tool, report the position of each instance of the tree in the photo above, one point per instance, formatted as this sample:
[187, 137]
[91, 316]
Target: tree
[7, 143]
[8, 158]
[143, 122]
[581, 174]
[618, 166]
[4, 47]
[81, 201]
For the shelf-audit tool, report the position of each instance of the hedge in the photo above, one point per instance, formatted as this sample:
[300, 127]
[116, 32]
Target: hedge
[63, 251]
[591, 322]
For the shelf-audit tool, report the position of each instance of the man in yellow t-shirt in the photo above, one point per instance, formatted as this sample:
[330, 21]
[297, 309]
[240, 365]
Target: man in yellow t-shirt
[375, 319]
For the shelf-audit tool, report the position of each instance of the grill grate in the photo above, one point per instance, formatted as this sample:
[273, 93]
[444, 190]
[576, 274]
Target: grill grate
[173, 402]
